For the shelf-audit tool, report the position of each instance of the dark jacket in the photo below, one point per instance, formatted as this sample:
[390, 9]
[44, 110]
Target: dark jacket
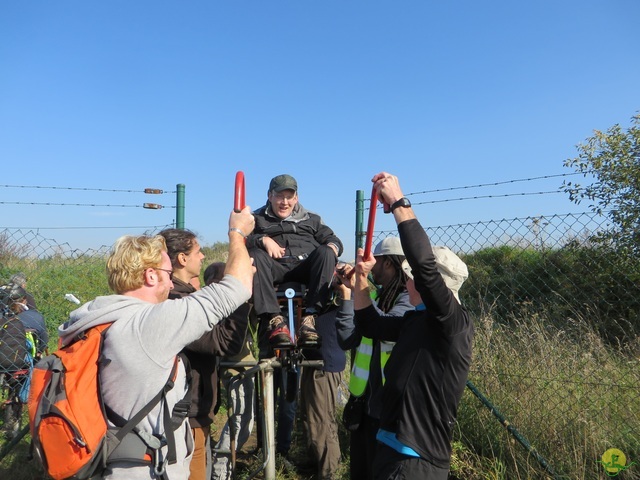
[31, 302]
[349, 338]
[427, 371]
[330, 352]
[226, 338]
[33, 319]
[300, 233]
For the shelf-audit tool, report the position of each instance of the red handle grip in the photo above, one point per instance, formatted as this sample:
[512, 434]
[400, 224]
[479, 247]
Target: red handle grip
[370, 223]
[238, 200]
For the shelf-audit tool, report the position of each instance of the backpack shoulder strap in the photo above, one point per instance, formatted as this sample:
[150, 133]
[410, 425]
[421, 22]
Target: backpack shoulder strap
[128, 426]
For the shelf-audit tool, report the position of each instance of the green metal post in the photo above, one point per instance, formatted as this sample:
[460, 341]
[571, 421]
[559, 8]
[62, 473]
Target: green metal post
[180, 206]
[512, 430]
[14, 441]
[360, 233]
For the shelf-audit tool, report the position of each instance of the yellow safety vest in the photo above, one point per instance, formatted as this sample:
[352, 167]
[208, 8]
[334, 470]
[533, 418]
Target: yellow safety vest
[362, 364]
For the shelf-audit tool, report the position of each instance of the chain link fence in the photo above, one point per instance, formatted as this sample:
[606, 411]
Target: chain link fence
[556, 356]
[557, 349]
[17, 354]
[55, 277]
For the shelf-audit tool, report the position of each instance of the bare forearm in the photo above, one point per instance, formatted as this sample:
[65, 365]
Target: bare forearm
[403, 214]
[361, 297]
[239, 263]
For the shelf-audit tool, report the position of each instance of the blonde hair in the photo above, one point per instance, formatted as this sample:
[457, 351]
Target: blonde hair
[130, 256]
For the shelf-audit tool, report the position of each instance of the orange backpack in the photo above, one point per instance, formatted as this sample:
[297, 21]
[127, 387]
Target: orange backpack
[67, 416]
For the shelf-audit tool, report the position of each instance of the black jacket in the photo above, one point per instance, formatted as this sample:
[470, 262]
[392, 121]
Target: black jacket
[33, 319]
[334, 357]
[226, 338]
[300, 233]
[427, 371]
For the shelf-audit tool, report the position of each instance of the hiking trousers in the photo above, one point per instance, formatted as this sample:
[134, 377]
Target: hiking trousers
[315, 271]
[318, 397]
[242, 399]
[200, 466]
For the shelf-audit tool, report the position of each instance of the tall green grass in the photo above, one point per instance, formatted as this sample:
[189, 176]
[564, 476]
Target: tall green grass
[568, 393]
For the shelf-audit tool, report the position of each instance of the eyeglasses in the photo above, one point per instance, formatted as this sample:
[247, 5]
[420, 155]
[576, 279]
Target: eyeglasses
[170, 272]
[280, 197]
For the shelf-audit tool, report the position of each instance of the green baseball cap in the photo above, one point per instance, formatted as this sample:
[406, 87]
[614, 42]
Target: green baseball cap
[283, 182]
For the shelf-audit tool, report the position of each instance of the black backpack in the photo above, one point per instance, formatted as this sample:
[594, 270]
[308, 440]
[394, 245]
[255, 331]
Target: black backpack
[13, 345]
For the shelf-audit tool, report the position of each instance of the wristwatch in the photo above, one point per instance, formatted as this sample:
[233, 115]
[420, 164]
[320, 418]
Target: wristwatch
[403, 202]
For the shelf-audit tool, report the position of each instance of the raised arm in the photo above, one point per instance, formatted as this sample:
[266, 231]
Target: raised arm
[239, 264]
[361, 297]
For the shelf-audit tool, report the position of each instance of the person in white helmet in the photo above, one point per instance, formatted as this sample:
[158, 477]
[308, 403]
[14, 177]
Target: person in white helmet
[428, 368]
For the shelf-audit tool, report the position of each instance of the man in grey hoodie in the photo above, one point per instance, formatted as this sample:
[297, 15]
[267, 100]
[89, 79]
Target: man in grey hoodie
[147, 333]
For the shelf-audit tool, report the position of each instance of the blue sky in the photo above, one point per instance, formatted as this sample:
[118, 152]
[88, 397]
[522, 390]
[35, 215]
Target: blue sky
[123, 95]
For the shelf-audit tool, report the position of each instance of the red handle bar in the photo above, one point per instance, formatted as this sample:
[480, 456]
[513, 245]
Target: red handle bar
[238, 201]
[371, 223]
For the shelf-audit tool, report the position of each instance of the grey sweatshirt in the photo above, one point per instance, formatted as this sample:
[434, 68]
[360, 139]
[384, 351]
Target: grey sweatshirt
[141, 346]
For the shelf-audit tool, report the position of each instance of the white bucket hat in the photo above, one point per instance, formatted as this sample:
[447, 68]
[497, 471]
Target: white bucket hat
[453, 270]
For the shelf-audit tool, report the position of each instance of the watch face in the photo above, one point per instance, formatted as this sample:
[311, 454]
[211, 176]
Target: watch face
[403, 202]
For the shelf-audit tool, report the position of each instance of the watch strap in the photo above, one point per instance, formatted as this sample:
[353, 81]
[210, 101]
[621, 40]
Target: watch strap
[403, 202]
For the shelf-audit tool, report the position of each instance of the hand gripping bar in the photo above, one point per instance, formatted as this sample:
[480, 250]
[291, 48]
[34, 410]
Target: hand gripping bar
[239, 198]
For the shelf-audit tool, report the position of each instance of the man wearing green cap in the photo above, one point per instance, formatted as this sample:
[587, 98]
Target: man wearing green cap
[291, 244]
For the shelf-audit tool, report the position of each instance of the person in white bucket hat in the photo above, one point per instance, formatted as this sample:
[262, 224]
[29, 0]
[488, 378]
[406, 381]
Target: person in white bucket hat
[427, 371]
[453, 270]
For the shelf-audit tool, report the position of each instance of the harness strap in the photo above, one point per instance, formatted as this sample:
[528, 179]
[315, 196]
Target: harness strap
[131, 444]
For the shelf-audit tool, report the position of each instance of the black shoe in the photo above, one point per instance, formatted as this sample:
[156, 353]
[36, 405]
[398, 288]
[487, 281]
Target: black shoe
[306, 464]
[279, 334]
[308, 335]
[284, 460]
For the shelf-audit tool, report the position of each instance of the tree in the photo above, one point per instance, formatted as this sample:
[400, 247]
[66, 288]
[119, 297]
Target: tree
[612, 158]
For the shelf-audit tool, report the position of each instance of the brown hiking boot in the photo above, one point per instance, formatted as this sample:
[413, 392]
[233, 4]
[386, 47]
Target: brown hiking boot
[279, 334]
[308, 335]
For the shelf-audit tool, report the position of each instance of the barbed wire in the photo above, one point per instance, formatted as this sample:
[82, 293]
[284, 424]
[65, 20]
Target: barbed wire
[147, 227]
[157, 207]
[486, 196]
[156, 191]
[475, 197]
[161, 191]
[439, 190]
[493, 184]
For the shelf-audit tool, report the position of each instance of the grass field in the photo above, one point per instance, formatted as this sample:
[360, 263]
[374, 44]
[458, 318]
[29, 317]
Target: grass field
[568, 394]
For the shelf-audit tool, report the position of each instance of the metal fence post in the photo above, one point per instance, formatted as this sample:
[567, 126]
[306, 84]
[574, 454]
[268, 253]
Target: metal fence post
[359, 220]
[180, 206]
[269, 433]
